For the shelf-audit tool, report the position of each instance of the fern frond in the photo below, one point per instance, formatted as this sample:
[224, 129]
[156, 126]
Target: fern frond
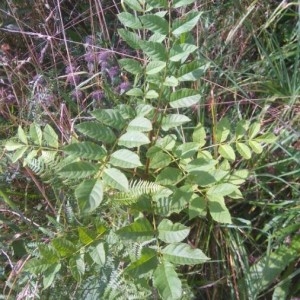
[137, 188]
[69, 212]
[124, 289]
[37, 165]
[136, 252]
[144, 187]
[45, 164]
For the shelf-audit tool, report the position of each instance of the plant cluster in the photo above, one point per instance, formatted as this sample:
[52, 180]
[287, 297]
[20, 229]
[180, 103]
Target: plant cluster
[152, 187]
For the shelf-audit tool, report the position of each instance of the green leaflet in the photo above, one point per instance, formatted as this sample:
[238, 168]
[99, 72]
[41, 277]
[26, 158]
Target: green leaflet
[197, 207]
[223, 130]
[77, 170]
[158, 3]
[155, 23]
[243, 150]
[136, 92]
[64, 247]
[167, 282]
[130, 65]
[146, 263]
[157, 37]
[116, 179]
[192, 71]
[180, 3]
[199, 135]
[222, 189]
[173, 120]
[172, 233]
[130, 20]
[134, 4]
[253, 130]
[183, 254]
[87, 150]
[181, 198]
[86, 236]
[203, 178]
[241, 129]
[169, 176]
[238, 176]
[140, 124]
[181, 52]
[154, 50]
[89, 195]
[267, 138]
[98, 254]
[133, 139]
[109, 117]
[36, 134]
[185, 24]
[50, 137]
[97, 131]
[22, 135]
[237, 194]
[255, 146]
[37, 265]
[77, 266]
[141, 229]
[158, 159]
[227, 152]
[184, 98]
[186, 150]
[201, 164]
[166, 143]
[218, 209]
[131, 38]
[152, 94]
[143, 109]
[155, 67]
[49, 274]
[19, 154]
[171, 81]
[125, 159]
[12, 145]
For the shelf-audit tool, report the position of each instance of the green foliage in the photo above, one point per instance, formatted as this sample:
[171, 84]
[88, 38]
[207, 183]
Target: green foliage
[145, 193]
